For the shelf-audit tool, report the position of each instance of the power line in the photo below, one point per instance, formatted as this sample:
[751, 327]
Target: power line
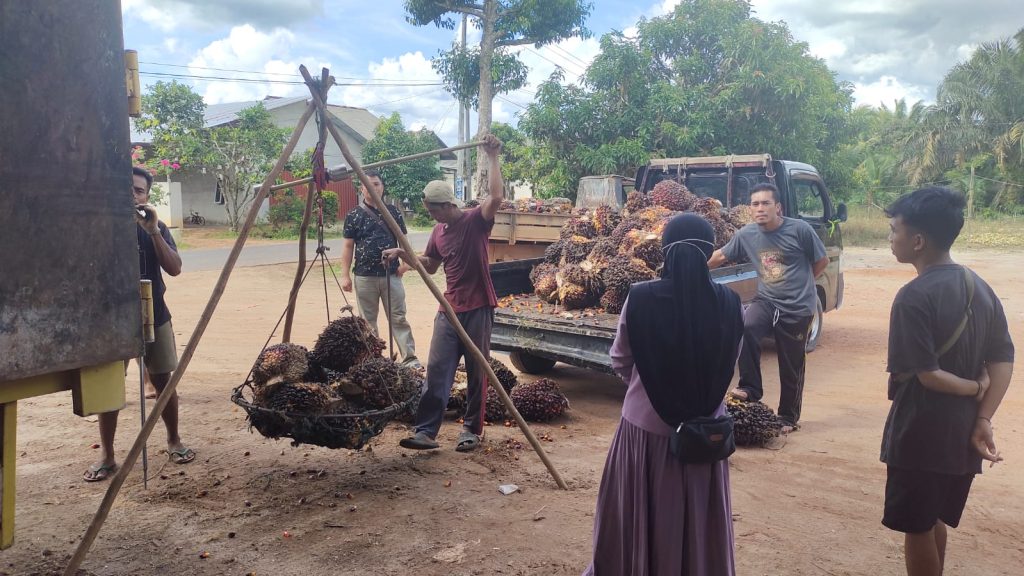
[440, 123]
[566, 53]
[290, 82]
[559, 66]
[277, 73]
[1000, 181]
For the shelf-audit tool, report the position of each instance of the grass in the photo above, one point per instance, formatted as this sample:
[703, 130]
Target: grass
[867, 226]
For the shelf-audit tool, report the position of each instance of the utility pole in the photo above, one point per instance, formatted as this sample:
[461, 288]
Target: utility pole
[463, 160]
[970, 195]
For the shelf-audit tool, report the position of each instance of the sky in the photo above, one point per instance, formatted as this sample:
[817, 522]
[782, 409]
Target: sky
[249, 49]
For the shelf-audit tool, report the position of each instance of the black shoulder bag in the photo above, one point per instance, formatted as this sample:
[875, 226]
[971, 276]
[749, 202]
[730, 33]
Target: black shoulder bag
[703, 440]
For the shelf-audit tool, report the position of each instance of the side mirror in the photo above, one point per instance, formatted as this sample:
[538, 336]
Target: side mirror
[841, 214]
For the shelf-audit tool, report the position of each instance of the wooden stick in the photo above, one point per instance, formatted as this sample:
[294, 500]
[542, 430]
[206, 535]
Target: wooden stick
[403, 241]
[293, 296]
[186, 356]
[382, 163]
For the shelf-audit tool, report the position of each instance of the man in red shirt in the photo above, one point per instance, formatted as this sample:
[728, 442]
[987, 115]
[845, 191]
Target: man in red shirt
[459, 241]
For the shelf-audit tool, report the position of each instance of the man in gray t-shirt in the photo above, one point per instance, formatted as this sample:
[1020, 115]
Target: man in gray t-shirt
[788, 255]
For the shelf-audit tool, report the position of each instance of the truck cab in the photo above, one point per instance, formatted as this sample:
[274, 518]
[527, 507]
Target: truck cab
[804, 195]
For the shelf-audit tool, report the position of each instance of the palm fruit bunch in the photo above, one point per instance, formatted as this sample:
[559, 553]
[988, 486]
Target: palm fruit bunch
[494, 408]
[457, 398]
[649, 251]
[724, 231]
[708, 208]
[286, 361]
[605, 219]
[740, 215]
[540, 400]
[578, 287]
[753, 423]
[346, 342]
[545, 284]
[553, 253]
[672, 195]
[410, 386]
[506, 377]
[377, 384]
[626, 225]
[299, 397]
[634, 238]
[575, 249]
[578, 226]
[650, 217]
[621, 273]
[636, 201]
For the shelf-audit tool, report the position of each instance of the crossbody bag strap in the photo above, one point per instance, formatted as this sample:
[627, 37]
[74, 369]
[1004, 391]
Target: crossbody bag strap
[969, 281]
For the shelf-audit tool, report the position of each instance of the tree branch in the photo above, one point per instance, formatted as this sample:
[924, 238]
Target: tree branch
[515, 42]
[476, 10]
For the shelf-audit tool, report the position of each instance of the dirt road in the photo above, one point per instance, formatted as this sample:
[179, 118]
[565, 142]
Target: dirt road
[810, 507]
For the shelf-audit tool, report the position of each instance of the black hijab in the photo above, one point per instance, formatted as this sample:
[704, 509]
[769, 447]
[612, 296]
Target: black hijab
[684, 329]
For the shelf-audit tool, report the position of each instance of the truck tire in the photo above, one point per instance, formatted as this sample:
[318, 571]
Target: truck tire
[530, 364]
[817, 323]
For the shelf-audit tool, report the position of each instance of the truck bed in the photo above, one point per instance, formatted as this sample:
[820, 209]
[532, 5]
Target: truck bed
[523, 324]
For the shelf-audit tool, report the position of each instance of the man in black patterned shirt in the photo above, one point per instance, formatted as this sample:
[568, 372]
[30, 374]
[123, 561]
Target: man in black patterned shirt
[366, 237]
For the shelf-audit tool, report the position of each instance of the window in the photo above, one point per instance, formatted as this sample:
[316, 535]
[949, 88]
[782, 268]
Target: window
[809, 204]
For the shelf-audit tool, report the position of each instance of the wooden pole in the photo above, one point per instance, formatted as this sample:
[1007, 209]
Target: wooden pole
[403, 241]
[383, 163]
[186, 356]
[294, 294]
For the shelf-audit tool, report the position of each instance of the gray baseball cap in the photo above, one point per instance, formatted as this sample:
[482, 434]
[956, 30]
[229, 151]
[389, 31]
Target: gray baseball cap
[440, 192]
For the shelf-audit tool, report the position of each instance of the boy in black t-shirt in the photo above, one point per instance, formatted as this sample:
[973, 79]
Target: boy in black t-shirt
[950, 362]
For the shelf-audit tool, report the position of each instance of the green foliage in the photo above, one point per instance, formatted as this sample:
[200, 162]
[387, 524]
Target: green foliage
[285, 215]
[460, 72]
[173, 114]
[391, 140]
[706, 79]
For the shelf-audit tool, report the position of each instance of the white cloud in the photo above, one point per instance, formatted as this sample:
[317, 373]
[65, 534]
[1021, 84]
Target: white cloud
[887, 90]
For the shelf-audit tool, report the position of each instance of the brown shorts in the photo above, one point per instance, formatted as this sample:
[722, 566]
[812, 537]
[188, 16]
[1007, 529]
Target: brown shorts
[162, 354]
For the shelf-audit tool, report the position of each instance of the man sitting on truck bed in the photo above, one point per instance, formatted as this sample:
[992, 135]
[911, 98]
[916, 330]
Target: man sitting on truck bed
[789, 256]
[459, 241]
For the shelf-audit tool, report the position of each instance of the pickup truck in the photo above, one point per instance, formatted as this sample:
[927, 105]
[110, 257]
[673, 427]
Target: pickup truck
[536, 338]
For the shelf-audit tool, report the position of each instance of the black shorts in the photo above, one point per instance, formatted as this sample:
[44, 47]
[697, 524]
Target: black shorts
[916, 499]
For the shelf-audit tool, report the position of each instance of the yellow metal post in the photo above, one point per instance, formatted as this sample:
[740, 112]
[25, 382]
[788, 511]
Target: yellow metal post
[8, 450]
[99, 389]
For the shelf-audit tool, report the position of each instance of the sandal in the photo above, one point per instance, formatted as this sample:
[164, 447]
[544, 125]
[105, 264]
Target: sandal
[739, 394]
[99, 473]
[467, 441]
[419, 441]
[182, 455]
[787, 428]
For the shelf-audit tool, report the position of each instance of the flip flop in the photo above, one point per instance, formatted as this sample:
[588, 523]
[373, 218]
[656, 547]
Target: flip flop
[467, 442]
[182, 456]
[739, 394]
[418, 441]
[787, 428]
[99, 473]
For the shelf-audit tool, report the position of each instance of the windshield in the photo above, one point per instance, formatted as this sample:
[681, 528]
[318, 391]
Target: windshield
[713, 185]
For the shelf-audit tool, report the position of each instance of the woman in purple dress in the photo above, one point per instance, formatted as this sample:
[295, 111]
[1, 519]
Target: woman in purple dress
[676, 347]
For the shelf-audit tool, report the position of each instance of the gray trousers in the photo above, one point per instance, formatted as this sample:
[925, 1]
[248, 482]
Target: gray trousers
[371, 292]
[445, 352]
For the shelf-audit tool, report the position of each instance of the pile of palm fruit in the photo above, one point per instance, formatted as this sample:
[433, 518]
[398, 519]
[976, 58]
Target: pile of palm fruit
[344, 374]
[601, 253]
[537, 401]
[753, 423]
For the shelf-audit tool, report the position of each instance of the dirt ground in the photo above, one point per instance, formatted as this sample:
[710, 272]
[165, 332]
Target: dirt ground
[811, 506]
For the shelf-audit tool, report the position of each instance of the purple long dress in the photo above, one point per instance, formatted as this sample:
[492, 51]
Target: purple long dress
[655, 515]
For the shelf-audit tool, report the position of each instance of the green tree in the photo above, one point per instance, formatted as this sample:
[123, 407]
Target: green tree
[242, 153]
[172, 113]
[503, 24]
[391, 140]
[706, 79]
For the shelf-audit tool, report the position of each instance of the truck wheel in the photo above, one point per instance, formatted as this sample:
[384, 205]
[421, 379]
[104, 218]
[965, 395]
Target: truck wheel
[817, 323]
[530, 364]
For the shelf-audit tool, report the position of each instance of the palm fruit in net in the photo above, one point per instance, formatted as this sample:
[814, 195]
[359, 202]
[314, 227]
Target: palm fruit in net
[344, 405]
[576, 249]
[553, 253]
[605, 219]
[578, 226]
[346, 342]
[635, 202]
[753, 423]
[649, 251]
[299, 397]
[286, 360]
[494, 408]
[672, 195]
[624, 271]
[411, 386]
[739, 216]
[540, 400]
[506, 377]
[377, 379]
